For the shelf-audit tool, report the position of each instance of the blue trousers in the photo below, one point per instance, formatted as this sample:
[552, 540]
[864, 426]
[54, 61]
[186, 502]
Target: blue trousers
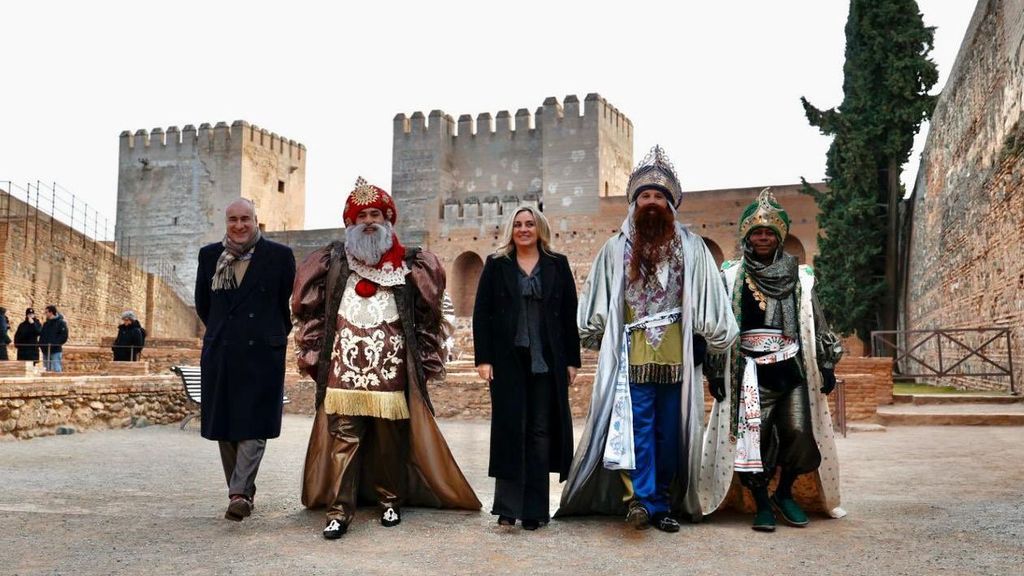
[656, 418]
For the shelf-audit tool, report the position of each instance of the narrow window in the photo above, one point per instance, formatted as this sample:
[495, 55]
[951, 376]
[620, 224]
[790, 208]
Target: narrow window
[280, 186]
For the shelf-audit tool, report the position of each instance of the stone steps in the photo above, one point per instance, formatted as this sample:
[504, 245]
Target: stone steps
[925, 399]
[963, 414]
[19, 369]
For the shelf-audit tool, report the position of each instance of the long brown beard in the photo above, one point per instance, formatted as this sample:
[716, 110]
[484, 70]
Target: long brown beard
[653, 232]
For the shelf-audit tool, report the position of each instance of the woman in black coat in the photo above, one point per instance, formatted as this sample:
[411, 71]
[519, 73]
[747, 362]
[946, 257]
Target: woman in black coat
[26, 337]
[130, 338]
[528, 349]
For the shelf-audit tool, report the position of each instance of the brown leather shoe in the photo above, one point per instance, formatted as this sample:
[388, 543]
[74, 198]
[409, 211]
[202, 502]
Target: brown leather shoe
[239, 507]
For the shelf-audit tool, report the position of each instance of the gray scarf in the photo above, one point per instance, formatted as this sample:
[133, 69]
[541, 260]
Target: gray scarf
[224, 276]
[776, 281]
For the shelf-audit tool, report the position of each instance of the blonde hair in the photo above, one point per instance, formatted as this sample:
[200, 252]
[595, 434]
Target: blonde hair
[508, 246]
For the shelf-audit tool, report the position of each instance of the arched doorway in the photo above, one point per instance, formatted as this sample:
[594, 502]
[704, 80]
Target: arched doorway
[465, 277]
[794, 246]
[715, 249]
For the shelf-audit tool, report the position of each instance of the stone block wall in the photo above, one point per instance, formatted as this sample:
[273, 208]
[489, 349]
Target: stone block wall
[44, 261]
[173, 187]
[965, 267]
[448, 176]
[47, 406]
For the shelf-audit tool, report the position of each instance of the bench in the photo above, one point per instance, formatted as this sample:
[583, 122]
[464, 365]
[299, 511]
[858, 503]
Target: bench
[191, 381]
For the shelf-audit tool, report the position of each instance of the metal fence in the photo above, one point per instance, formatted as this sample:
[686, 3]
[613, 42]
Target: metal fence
[49, 200]
[53, 200]
[949, 352]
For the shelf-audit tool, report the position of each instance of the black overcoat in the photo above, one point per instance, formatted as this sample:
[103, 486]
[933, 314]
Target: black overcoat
[244, 346]
[26, 340]
[495, 316]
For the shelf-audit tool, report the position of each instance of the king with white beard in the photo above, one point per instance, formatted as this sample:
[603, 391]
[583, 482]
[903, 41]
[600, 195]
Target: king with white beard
[370, 334]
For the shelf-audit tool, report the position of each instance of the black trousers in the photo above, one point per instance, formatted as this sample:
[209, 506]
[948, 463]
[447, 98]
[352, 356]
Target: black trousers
[529, 498]
[787, 438]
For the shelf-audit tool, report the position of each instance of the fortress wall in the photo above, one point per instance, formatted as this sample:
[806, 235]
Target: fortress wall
[965, 268]
[43, 261]
[173, 187]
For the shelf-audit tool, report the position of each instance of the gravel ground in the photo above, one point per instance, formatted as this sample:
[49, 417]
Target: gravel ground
[921, 500]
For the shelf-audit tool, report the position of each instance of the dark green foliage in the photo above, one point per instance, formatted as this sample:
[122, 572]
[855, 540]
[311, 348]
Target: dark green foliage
[886, 79]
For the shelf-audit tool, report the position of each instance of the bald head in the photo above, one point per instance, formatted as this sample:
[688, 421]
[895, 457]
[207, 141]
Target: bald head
[240, 217]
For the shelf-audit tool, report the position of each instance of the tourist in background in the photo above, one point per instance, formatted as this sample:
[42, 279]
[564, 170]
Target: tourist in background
[528, 350]
[5, 327]
[131, 337]
[52, 338]
[26, 337]
[242, 288]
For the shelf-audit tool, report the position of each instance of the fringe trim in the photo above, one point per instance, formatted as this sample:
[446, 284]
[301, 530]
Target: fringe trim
[656, 373]
[386, 405]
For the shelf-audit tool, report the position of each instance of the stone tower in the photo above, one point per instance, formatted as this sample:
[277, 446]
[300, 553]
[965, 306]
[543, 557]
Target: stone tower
[447, 177]
[172, 188]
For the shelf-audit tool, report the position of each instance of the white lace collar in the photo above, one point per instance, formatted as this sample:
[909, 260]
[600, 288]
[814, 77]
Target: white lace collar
[387, 275]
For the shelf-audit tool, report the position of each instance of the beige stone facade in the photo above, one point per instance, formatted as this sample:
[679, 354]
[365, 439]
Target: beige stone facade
[43, 261]
[965, 267]
[173, 187]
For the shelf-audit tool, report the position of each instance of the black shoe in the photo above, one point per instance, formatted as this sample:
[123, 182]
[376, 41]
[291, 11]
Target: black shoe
[533, 524]
[390, 517]
[662, 521]
[334, 529]
[239, 507]
[506, 521]
[637, 516]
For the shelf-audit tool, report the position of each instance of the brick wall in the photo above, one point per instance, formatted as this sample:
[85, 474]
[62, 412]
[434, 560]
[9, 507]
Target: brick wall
[965, 266]
[41, 406]
[43, 261]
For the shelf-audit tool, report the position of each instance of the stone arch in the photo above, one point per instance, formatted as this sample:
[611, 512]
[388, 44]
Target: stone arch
[793, 245]
[715, 249]
[465, 278]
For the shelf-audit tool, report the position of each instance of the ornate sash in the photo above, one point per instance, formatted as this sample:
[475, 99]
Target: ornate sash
[619, 451]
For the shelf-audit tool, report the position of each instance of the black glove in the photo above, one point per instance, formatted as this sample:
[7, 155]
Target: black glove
[716, 386]
[828, 380]
[700, 349]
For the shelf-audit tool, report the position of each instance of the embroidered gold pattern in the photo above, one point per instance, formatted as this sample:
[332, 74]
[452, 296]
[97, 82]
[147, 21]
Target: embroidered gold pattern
[359, 372]
[364, 193]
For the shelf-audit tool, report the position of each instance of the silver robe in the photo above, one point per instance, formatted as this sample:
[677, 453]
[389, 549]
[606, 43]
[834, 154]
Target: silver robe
[590, 488]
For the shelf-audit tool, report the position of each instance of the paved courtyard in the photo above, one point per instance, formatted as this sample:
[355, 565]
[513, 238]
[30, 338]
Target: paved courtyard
[921, 500]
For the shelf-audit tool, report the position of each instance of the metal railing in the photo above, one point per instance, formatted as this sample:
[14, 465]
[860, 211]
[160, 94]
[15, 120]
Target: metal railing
[968, 352]
[53, 200]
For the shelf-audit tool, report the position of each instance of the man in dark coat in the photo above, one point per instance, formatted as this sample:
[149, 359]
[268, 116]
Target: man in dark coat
[52, 338]
[5, 327]
[130, 338]
[242, 289]
[26, 338]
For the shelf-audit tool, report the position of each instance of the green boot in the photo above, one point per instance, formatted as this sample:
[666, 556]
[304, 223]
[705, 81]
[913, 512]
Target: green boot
[764, 520]
[791, 512]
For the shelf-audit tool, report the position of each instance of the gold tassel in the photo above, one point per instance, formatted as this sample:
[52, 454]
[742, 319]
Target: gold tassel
[387, 405]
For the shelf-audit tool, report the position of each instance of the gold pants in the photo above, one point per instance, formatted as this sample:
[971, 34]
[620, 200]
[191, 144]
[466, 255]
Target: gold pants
[374, 448]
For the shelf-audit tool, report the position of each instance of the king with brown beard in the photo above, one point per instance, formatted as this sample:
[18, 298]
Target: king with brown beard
[652, 306]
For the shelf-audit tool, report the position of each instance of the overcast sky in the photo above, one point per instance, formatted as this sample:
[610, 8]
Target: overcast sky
[716, 83]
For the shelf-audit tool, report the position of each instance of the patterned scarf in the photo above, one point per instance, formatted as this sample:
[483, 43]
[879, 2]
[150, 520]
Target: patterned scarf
[224, 276]
[776, 283]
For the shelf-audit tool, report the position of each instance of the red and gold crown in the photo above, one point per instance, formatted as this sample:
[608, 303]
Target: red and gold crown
[366, 195]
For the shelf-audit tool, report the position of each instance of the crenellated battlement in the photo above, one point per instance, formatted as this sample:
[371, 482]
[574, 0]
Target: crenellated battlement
[595, 111]
[219, 136]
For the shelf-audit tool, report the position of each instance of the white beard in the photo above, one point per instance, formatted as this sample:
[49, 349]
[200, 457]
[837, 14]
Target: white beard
[368, 248]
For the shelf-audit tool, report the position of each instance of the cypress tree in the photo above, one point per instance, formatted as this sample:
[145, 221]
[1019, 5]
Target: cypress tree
[886, 79]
